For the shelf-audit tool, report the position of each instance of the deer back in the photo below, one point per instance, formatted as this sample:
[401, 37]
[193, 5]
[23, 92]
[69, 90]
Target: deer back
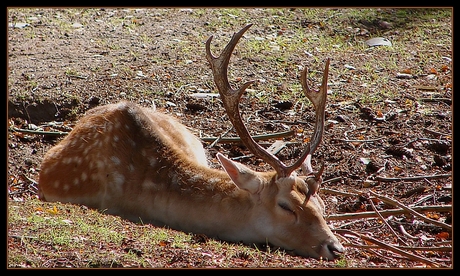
[114, 154]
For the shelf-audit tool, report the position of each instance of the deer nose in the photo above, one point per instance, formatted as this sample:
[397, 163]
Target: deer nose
[331, 249]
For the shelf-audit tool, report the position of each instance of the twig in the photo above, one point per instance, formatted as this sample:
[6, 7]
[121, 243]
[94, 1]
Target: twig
[255, 137]
[220, 137]
[76, 76]
[356, 140]
[408, 248]
[411, 178]
[41, 132]
[335, 192]
[388, 247]
[288, 122]
[29, 179]
[274, 148]
[444, 100]
[415, 213]
[386, 213]
[435, 132]
[385, 222]
[332, 180]
[401, 228]
[267, 144]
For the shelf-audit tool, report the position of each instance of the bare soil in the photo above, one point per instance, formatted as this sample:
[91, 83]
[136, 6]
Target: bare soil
[388, 130]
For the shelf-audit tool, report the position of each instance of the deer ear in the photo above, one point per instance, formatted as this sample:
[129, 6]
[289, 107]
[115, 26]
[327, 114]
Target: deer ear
[242, 176]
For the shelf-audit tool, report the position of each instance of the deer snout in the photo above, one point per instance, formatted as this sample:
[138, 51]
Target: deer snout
[331, 249]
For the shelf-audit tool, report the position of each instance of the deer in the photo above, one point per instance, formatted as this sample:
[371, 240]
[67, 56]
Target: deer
[144, 165]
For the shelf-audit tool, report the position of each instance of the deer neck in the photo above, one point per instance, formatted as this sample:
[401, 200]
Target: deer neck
[200, 199]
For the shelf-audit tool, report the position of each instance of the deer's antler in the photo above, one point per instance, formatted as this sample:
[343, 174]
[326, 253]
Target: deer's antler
[231, 97]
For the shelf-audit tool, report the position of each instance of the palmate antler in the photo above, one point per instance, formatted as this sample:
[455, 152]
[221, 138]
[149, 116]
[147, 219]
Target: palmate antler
[231, 97]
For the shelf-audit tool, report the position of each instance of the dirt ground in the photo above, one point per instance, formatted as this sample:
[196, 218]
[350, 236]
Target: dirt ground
[388, 130]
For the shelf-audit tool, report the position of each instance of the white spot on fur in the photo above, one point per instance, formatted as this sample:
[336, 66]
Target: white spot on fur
[214, 180]
[107, 139]
[98, 144]
[196, 178]
[148, 184]
[73, 142]
[76, 181]
[132, 143]
[78, 160]
[56, 184]
[94, 177]
[84, 176]
[100, 164]
[174, 179]
[90, 164]
[118, 181]
[153, 161]
[86, 150]
[115, 160]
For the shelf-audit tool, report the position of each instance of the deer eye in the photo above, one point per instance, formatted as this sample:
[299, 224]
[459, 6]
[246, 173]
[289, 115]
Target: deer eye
[284, 206]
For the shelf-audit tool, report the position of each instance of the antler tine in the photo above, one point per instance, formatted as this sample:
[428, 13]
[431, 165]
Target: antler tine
[231, 97]
[318, 98]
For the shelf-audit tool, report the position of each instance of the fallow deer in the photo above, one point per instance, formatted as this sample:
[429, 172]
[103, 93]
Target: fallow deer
[139, 163]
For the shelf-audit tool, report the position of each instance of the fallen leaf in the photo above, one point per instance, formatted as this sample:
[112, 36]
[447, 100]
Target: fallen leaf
[442, 236]
[406, 71]
[53, 211]
[432, 215]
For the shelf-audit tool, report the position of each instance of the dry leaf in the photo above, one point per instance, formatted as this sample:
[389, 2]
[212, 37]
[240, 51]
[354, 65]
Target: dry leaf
[432, 215]
[53, 211]
[442, 236]
[406, 71]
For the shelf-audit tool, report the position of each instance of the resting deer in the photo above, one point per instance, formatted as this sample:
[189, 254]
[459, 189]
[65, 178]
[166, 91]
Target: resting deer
[139, 163]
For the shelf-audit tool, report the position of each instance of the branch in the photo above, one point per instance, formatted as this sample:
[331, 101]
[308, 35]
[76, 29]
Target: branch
[41, 132]
[335, 192]
[387, 213]
[255, 137]
[409, 248]
[444, 100]
[412, 178]
[388, 247]
[220, 137]
[356, 140]
[384, 221]
[416, 214]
